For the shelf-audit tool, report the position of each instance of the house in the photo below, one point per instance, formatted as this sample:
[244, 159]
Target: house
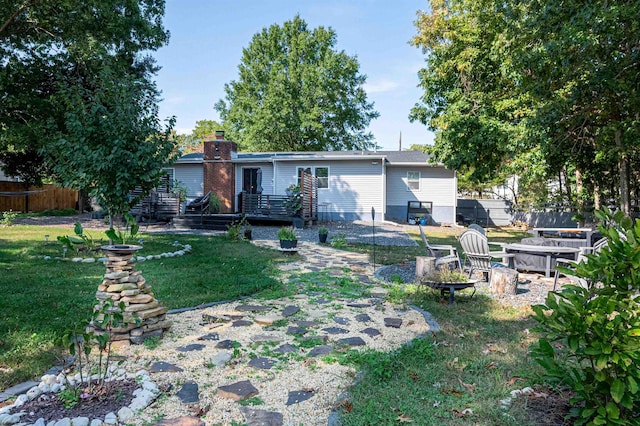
[349, 183]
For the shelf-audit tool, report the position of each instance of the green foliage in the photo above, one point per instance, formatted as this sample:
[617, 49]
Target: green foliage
[70, 396]
[339, 240]
[106, 316]
[130, 232]
[180, 189]
[323, 231]
[152, 342]
[80, 242]
[591, 336]
[47, 47]
[8, 217]
[235, 231]
[287, 233]
[293, 76]
[214, 204]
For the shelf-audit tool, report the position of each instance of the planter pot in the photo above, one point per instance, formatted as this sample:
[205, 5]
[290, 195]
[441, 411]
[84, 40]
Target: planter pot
[248, 234]
[288, 244]
[323, 238]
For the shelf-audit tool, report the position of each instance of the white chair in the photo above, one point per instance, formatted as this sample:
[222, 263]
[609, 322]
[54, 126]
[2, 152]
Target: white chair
[476, 251]
[439, 251]
[582, 257]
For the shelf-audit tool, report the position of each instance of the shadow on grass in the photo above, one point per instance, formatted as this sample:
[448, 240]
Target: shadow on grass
[480, 354]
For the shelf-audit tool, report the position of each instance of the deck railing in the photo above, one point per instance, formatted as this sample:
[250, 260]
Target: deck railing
[276, 206]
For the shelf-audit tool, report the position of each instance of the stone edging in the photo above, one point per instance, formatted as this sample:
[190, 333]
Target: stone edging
[184, 250]
[143, 397]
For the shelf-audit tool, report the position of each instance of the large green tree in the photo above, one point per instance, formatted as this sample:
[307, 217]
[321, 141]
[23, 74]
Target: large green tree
[295, 92]
[546, 89]
[76, 82]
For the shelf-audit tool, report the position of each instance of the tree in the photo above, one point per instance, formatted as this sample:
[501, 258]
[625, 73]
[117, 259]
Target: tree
[469, 99]
[66, 67]
[295, 92]
[112, 141]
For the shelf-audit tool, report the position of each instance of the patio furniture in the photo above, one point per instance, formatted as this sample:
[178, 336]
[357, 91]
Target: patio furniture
[476, 251]
[582, 257]
[478, 228]
[439, 252]
[539, 256]
[199, 205]
[568, 237]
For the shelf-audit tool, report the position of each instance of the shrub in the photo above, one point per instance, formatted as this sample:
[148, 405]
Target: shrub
[287, 233]
[8, 217]
[323, 231]
[591, 336]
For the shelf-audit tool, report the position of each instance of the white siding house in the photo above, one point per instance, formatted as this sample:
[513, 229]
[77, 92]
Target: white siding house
[350, 183]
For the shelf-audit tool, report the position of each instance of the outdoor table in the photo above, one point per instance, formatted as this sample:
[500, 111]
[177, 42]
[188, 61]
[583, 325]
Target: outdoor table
[570, 237]
[548, 251]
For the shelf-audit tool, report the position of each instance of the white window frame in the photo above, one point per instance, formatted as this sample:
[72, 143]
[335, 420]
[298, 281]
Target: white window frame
[313, 172]
[413, 180]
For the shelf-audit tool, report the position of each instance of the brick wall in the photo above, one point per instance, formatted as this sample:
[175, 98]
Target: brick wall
[219, 172]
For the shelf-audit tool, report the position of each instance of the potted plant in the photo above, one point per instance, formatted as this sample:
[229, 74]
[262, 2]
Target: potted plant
[248, 231]
[322, 234]
[288, 238]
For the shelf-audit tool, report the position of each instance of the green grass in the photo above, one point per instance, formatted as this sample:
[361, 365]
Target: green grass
[480, 355]
[43, 299]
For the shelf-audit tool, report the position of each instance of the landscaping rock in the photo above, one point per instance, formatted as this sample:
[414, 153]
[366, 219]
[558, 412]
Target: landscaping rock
[238, 391]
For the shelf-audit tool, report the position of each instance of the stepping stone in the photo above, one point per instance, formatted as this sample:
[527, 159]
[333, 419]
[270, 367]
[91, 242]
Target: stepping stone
[262, 363]
[320, 350]
[210, 336]
[371, 332]
[358, 305]
[221, 358]
[261, 338]
[290, 310]
[190, 348]
[341, 320]
[253, 417]
[363, 318]
[306, 323]
[296, 397]
[215, 318]
[285, 349]
[267, 319]
[227, 344]
[253, 308]
[238, 391]
[393, 322]
[335, 330]
[322, 301]
[297, 330]
[164, 367]
[364, 279]
[352, 341]
[336, 273]
[241, 323]
[181, 421]
[189, 393]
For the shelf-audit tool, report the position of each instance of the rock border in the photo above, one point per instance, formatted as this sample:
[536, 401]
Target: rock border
[143, 397]
[186, 248]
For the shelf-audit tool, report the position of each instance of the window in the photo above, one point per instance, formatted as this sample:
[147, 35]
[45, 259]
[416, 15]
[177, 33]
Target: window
[413, 181]
[322, 173]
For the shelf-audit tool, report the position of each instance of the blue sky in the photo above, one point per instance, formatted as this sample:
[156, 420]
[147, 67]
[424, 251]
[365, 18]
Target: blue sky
[207, 38]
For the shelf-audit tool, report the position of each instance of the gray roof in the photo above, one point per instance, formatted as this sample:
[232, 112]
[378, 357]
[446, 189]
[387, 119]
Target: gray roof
[392, 157]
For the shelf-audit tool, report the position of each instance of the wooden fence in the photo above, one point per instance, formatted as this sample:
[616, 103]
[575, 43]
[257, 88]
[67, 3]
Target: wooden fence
[47, 197]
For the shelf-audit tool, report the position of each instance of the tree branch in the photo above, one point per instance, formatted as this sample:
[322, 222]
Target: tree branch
[21, 9]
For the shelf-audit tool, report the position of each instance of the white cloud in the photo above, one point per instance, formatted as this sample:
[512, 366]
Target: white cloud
[384, 85]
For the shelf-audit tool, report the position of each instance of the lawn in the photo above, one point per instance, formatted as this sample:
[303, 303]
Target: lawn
[44, 298]
[456, 376]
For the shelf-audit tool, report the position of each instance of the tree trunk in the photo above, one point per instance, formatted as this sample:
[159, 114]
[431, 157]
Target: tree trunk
[26, 197]
[597, 203]
[504, 281]
[623, 167]
[425, 267]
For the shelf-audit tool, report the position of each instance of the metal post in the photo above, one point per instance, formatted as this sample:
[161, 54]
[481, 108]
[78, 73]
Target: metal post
[373, 225]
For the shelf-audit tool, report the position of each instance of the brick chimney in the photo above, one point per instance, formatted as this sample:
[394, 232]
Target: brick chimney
[219, 171]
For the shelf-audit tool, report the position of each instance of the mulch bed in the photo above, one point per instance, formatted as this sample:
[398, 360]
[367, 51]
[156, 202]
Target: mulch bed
[49, 407]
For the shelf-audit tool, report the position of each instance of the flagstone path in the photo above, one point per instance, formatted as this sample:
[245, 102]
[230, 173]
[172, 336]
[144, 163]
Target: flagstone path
[272, 362]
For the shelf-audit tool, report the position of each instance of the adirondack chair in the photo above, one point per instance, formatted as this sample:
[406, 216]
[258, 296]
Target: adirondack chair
[582, 257]
[440, 251]
[477, 254]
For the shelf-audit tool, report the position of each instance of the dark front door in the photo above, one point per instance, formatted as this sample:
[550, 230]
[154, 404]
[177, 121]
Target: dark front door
[250, 181]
